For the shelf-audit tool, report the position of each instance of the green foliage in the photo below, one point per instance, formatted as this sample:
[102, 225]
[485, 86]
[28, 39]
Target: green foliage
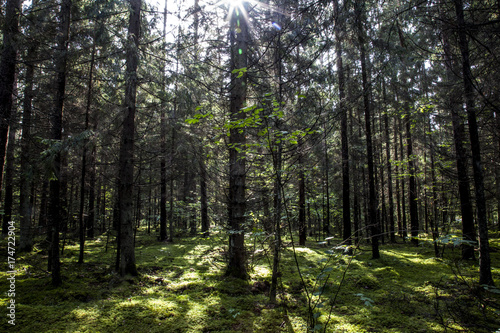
[197, 117]
[239, 71]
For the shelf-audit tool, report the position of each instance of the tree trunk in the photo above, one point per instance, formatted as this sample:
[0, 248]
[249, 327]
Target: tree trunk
[485, 276]
[460, 153]
[237, 174]
[392, 231]
[404, 227]
[8, 73]
[497, 174]
[163, 148]
[434, 220]
[9, 171]
[278, 166]
[346, 202]
[26, 171]
[126, 163]
[302, 202]
[372, 204]
[55, 211]
[205, 224]
[326, 196]
[412, 195]
[83, 184]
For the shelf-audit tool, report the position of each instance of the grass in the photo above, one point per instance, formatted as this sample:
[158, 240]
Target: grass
[181, 288]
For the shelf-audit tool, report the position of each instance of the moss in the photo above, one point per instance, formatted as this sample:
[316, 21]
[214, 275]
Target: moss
[181, 288]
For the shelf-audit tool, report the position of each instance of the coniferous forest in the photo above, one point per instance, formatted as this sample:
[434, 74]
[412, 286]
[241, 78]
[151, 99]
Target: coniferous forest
[250, 166]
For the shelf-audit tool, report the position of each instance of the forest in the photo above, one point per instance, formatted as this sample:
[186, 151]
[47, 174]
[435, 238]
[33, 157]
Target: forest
[250, 165]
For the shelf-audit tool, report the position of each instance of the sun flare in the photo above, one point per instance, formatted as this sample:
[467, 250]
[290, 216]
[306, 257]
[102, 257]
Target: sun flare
[235, 6]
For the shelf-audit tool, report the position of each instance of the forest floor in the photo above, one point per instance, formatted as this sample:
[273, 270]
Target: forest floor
[182, 288]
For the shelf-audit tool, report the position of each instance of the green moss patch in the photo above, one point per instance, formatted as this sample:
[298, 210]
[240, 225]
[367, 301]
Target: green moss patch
[182, 288]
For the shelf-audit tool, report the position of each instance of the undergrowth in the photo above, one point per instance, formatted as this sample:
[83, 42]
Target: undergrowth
[182, 288]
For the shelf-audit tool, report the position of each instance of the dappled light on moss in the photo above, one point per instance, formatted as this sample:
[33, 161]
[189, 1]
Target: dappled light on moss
[182, 288]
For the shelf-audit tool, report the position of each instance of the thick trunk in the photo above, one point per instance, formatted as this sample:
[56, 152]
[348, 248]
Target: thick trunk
[127, 264]
[459, 137]
[8, 73]
[237, 174]
[55, 211]
[9, 175]
[485, 276]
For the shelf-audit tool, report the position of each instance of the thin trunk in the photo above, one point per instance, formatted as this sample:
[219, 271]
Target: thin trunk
[434, 220]
[404, 226]
[277, 222]
[346, 202]
[278, 165]
[163, 144]
[326, 205]
[83, 186]
[302, 202]
[372, 204]
[204, 198]
[392, 231]
[412, 195]
[497, 179]
[26, 170]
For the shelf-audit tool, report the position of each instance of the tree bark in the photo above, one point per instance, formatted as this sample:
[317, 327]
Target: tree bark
[237, 173]
[83, 184]
[302, 202]
[55, 211]
[372, 204]
[346, 202]
[9, 170]
[485, 276]
[7, 73]
[392, 232]
[205, 224]
[163, 147]
[127, 264]
[412, 191]
[459, 137]
[404, 225]
[26, 171]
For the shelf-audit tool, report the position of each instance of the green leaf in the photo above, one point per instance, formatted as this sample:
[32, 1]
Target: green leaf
[239, 71]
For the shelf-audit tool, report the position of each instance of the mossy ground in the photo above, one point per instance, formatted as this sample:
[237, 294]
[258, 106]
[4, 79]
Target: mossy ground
[182, 288]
